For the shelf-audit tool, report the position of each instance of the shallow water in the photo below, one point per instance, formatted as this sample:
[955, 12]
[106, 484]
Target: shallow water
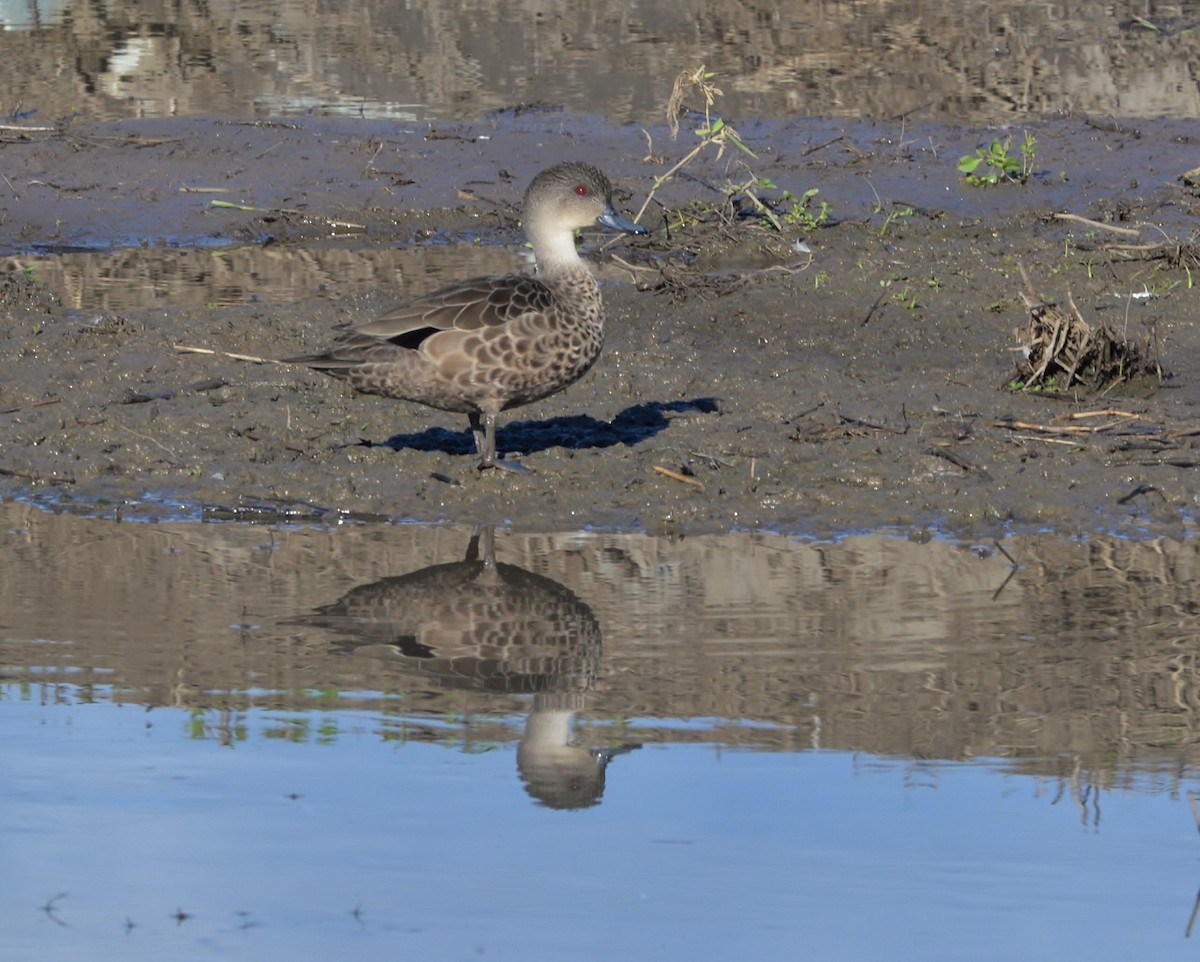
[120, 823]
[262, 739]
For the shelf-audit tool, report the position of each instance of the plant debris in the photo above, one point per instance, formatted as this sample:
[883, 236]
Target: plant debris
[1059, 349]
[677, 476]
[1175, 253]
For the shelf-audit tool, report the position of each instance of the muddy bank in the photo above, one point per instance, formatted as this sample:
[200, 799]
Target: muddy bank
[860, 388]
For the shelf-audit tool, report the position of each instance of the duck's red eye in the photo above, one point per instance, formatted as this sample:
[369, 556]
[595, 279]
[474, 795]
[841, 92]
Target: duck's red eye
[581, 190]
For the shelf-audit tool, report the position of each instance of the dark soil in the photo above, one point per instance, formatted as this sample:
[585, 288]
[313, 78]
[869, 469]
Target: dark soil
[745, 381]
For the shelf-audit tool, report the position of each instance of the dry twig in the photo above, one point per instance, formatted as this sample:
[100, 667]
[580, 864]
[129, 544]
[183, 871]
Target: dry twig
[185, 349]
[676, 476]
[1099, 225]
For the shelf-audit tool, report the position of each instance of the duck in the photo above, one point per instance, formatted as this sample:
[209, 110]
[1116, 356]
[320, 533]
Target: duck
[488, 344]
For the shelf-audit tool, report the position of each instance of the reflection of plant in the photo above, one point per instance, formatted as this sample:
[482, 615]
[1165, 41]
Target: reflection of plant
[998, 164]
[1168, 28]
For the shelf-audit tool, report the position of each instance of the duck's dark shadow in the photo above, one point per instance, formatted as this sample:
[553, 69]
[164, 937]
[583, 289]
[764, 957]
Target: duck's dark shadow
[634, 424]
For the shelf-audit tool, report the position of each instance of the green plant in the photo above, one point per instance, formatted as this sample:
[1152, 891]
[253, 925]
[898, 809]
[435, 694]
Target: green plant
[998, 164]
[907, 298]
[900, 216]
[713, 133]
[1050, 385]
[802, 213]
[749, 188]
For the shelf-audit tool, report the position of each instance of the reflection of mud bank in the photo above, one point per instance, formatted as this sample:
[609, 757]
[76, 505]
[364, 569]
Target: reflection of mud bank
[416, 61]
[1082, 656]
[129, 279]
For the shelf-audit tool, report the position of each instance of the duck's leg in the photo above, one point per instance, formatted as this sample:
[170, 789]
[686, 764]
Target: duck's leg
[484, 438]
[484, 428]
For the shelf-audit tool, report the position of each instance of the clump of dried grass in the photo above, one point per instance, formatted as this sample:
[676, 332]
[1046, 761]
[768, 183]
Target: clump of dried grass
[1059, 350]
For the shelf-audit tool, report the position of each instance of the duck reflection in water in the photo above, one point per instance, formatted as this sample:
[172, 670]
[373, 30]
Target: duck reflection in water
[484, 626]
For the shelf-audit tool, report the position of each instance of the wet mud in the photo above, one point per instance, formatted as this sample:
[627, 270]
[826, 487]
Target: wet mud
[845, 371]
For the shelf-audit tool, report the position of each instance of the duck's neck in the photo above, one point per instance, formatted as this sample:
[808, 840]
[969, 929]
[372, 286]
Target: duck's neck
[556, 252]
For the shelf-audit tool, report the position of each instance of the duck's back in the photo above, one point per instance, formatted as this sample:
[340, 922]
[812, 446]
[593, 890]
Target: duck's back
[508, 340]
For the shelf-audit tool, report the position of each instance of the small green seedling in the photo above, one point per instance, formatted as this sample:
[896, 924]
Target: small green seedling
[803, 213]
[898, 216]
[995, 164]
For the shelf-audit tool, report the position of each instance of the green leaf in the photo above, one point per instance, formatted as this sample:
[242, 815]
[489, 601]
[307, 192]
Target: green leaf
[225, 203]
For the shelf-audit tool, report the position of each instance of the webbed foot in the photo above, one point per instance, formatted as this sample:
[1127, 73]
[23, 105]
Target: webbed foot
[508, 464]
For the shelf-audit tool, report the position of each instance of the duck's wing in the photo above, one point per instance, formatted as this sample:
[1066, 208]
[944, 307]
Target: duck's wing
[472, 305]
[482, 302]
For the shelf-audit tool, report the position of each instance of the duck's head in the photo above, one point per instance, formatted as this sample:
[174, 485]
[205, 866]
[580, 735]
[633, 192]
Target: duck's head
[566, 197]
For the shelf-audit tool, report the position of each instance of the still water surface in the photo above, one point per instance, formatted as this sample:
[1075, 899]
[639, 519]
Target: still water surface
[353, 843]
[267, 741]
